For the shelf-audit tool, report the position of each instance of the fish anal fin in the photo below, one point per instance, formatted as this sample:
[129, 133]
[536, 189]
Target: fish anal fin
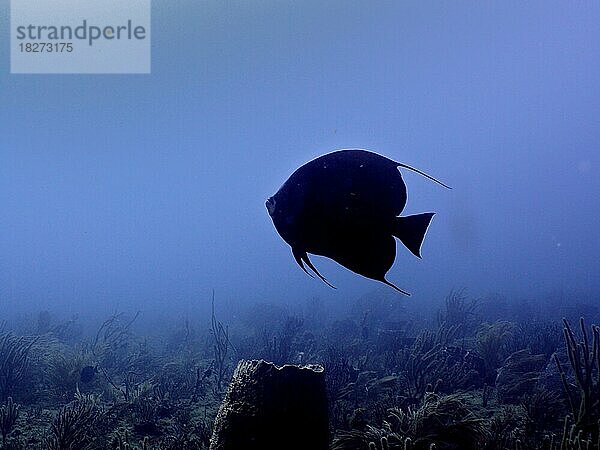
[411, 231]
[392, 285]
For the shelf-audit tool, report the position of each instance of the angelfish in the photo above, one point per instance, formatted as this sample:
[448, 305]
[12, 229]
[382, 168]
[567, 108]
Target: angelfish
[346, 206]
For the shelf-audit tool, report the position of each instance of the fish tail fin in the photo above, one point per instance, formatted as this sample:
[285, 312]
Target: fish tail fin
[411, 231]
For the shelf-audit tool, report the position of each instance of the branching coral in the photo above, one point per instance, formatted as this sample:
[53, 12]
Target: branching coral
[9, 413]
[518, 376]
[144, 405]
[574, 438]
[458, 311]
[278, 347]
[14, 353]
[545, 410]
[537, 337]
[370, 438]
[338, 371]
[431, 361]
[63, 372]
[339, 374]
[221, 347]
[121, 441]
[585, 362]
[177, 381]
[443, 420]
[74, 425]
[491, 341]
[507, 426]
[117, 351]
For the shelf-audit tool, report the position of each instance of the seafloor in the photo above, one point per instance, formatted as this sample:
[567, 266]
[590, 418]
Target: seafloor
[490, 373]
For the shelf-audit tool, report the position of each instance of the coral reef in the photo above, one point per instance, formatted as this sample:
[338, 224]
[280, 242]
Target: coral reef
[458, 377]
[518, 376]
[14, 353]
[492, 346]
[9, 413]
[585, 363]
[74, 425]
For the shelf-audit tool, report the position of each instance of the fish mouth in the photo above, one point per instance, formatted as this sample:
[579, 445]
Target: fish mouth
[270, 204]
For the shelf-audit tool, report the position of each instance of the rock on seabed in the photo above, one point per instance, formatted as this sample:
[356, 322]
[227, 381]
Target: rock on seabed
[267, 406]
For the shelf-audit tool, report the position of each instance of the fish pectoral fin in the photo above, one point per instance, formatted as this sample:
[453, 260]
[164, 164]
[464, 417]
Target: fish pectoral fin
[298, 255]
[411, 231]
[302, 257]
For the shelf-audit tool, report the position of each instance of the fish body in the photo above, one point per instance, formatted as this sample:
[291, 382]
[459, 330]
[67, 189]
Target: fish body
[346, 205]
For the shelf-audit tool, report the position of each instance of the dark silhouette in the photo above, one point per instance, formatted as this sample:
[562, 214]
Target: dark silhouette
[346, 205]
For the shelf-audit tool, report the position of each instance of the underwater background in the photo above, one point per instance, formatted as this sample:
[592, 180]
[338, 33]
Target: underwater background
[138, 263]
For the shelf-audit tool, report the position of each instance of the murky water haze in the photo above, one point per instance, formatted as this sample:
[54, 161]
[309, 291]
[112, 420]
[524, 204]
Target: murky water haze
[146, 192]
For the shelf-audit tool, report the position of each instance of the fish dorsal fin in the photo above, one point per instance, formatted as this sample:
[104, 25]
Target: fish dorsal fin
[423, 174]
[404, 166]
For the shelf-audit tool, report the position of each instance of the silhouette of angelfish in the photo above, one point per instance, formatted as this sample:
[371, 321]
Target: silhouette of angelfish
[346, 205]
